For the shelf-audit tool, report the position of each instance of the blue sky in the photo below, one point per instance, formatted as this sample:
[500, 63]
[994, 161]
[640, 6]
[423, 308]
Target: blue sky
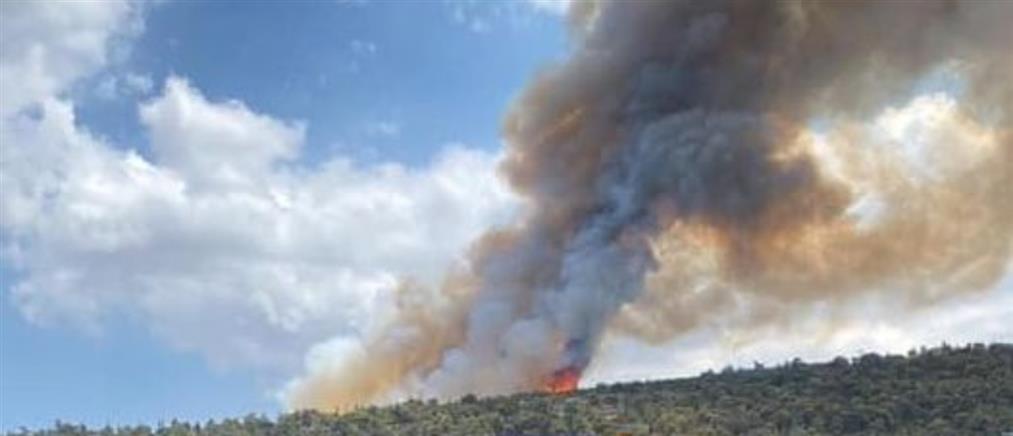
[347, 68]
[372, 81]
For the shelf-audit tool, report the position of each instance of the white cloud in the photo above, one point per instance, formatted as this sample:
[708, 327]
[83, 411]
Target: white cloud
[218, 242]
[216, 144]
[483, 17]
[44, 46]
[558, 7]
[129, 84]
[218, 245]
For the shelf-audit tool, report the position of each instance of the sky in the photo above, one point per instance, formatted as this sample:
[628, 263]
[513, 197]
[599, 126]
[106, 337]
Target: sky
[372, 106]
[199, 201]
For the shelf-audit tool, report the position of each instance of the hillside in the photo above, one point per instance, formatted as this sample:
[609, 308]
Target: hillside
[946, 390]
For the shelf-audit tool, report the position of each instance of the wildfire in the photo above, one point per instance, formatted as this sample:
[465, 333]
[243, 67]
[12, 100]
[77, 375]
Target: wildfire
[563, 381]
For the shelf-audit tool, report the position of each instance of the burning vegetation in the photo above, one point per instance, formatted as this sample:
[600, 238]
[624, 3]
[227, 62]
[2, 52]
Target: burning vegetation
[563, 381]
[725, 162]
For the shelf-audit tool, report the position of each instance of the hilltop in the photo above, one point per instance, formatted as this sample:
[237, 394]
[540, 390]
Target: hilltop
[944, 390]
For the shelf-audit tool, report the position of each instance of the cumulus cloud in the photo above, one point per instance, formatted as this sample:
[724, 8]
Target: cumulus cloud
[218, 241]
[219, 244]
[45, 46]
[216, 144]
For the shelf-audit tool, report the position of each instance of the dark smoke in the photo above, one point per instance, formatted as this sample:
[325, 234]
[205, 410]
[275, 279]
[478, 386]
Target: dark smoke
[676, 168]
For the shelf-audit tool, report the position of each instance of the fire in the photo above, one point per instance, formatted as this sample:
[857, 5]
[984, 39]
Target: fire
[563, 381]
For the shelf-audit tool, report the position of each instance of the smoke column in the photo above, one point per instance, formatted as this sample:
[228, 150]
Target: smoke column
[697, 158]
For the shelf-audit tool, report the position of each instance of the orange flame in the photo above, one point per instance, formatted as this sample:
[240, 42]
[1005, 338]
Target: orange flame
[563, 381]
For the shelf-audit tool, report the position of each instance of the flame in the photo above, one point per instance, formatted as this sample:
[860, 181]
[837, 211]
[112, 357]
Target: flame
[563, 381]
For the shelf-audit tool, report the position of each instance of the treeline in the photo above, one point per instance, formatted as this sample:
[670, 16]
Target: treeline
[938, 391]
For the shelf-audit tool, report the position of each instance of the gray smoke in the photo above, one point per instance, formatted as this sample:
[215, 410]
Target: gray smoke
[674, 173]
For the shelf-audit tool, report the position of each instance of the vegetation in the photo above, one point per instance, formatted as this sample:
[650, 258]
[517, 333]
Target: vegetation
[946, 390]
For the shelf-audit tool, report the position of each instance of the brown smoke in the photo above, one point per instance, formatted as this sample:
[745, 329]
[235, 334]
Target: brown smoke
[425, 326]
[693, 157]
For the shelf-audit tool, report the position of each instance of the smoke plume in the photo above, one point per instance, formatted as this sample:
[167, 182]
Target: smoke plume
[696, 158]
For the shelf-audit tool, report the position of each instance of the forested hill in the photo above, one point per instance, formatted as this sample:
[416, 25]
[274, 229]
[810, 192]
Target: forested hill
[944, 391]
